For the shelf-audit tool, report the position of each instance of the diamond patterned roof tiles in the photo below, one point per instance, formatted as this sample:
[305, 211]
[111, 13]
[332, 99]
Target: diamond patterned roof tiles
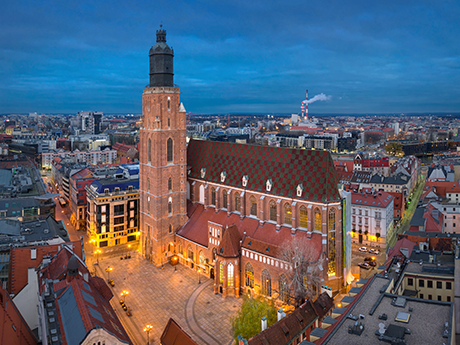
[286, 167]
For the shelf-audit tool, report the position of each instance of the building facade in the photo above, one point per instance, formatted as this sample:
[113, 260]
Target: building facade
[113, 212]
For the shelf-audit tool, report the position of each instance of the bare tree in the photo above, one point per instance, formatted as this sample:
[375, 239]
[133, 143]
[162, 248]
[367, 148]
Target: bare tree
[306, 273]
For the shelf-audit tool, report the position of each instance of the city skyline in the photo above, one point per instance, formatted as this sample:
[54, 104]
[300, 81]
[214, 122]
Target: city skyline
[234, 57]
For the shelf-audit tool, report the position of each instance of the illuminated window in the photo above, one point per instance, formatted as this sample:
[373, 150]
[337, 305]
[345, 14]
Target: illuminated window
[317, 220]
[283, 288]
[303, 217]
[331, 240]
[249, 275]
[221, 273]
[266, 283]
[202, 258]
[230, 274]
[287, 214]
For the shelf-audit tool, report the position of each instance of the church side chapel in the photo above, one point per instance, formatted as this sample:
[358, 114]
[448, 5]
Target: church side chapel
[229, 210]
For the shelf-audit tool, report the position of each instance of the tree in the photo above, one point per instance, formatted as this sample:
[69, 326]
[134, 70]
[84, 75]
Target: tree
[394, 148]
[306, 273]
[247, 321]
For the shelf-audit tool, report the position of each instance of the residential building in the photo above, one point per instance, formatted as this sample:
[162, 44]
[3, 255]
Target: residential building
[113, 211]
[400, 183]
[91, 157]
[78, 203]
[372, 216]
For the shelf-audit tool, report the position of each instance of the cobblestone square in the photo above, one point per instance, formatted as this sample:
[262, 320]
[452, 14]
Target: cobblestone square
[156, 294]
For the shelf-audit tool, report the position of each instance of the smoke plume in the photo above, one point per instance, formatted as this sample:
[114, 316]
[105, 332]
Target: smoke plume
[320, 97]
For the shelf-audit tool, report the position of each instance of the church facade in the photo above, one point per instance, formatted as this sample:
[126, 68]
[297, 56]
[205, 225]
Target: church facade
[226, 209]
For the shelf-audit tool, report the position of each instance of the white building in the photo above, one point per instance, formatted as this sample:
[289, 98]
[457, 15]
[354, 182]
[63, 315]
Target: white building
[92, 157]
[371, 216]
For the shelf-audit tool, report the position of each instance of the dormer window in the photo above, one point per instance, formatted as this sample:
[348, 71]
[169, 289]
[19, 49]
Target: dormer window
[245, 180]
[269, 185]
[299, 189]
[117, 189]
[203, 172]
[106, 191]
[223, 176]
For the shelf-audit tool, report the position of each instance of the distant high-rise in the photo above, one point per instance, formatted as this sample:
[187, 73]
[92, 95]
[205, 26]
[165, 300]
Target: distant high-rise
[90, 121]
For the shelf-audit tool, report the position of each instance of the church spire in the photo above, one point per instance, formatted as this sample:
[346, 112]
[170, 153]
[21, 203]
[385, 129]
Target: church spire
[161, 61]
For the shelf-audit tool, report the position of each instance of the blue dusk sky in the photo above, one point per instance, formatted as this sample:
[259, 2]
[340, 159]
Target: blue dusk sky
[232, 56]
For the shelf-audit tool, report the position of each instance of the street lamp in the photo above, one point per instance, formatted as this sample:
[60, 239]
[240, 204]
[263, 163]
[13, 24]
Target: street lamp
[147, 329]
[108, 270]
[199, 276]
[129, 250]
[97, 252]
[123, 295]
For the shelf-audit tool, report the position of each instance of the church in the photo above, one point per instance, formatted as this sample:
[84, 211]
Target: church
[226, 210]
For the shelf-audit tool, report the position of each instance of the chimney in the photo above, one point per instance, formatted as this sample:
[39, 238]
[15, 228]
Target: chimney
[264, 323]
[281, 314]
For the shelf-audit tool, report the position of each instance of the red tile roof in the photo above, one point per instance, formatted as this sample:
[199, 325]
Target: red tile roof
[230, 246]
[378, 199]
[401, 243]
[173, 334]
[21, 261]
[286, 167]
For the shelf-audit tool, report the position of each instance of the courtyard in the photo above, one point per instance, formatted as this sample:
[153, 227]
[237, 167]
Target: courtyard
[156, 294]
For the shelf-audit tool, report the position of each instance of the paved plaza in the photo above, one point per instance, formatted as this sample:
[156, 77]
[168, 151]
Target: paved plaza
[156, 294]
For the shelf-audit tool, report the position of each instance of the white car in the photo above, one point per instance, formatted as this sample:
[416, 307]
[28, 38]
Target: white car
[374, 251]
[363, 249]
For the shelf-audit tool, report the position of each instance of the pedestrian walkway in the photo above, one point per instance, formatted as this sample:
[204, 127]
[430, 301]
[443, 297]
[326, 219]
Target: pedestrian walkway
[156, 294]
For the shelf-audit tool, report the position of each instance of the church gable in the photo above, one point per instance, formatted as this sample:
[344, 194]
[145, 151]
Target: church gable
[251, 166]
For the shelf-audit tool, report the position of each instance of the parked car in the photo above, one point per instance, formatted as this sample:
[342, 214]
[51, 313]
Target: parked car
[111, 282]
[370, 261]
[374, 251]
[365, 265]
[363, 249]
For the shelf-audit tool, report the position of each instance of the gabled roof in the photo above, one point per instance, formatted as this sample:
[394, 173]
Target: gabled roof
[288, 328]
[173, 334]
[21, 260]
[230, 246]
[401, 244]
[287, 168]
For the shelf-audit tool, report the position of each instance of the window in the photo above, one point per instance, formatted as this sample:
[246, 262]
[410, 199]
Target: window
[230, 274]
[170, 184]
[237, 202]
[421, 296]
[190, 253]
[287, 214]
[170, 229]
[170, 208]
[421, 283]
[221, 273]
[273, 211]
[253, 203]
[303, 217]
[266, 283]
[224, 199]
[148, 184]
[331, 240]
[439, 298]
[283, 288]
[202, 258]
[410, 281]
[149, 149]
[249, 275]
[430, 297]
[169, 150]
[213, 196]
[438, 285]
[317, 220]
[430, 284]
[448, 286]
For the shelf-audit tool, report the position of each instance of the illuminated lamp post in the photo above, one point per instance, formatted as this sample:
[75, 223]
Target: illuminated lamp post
[147, 329]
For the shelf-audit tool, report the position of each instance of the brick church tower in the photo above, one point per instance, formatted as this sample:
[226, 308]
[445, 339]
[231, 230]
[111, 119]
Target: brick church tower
[163, 157]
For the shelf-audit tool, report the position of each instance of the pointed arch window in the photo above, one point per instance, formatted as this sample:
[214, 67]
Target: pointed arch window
[273, 211]
[266, 283]
[249, 275]
[230, 274]
[331, 240]
[303, 217]
[237, 203]
[149, 150]
[190, 253]
[224, 199]
[169, 150]
[317, 220]
[283, 288]
[213, 196]
[253, 203]
[202, 258]
[170, 207]
[221, 273]
[287, 214]
[148, 184]
[170, 228]
[170, 185]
